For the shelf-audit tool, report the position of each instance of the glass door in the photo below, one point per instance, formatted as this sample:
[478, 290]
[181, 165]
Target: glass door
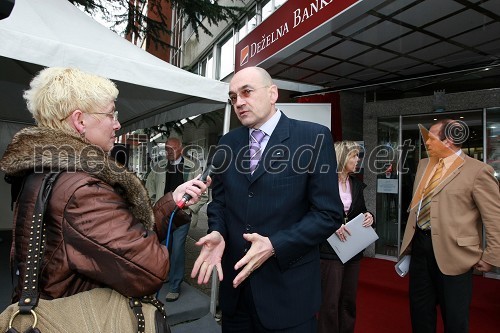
[492, 149]
[387, 186]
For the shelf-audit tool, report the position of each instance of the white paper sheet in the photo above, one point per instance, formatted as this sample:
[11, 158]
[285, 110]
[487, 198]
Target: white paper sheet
[359, 239]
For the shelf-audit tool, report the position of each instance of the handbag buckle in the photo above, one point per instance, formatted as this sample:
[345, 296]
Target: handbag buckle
[32, 312]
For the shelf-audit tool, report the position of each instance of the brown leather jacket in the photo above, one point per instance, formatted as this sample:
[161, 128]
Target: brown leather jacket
[101, 229]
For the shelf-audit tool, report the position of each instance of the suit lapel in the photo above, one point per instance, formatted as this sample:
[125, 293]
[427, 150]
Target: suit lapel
[451, 173]
[417, 195]
[271, 155]
[240, 151]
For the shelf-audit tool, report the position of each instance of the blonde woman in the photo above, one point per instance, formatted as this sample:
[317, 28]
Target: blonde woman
[101, 228]
[339, 282]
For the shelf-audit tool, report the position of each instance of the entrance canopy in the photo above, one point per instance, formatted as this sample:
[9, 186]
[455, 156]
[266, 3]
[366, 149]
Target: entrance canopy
[390, 48]
[46, 33]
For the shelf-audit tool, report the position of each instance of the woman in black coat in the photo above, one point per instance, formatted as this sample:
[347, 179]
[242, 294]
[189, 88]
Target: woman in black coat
[339, 282]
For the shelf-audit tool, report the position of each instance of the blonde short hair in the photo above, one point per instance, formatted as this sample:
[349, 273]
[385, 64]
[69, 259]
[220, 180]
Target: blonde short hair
[344, 150]
[56, 92]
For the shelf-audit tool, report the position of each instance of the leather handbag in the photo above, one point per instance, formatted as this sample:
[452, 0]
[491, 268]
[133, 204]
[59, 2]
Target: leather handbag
[97, 310]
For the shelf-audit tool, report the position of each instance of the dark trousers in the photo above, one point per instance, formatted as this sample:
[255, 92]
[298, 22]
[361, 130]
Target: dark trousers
[339, 286]
[246, 319]
[429, 287]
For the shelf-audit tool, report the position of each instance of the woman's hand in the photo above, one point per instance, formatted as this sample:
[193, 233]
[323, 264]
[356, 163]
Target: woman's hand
[342, 233]
[194, 188]
[368, 221]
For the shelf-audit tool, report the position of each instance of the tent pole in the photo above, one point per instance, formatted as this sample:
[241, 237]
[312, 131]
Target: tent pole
[214, 290]
[227, 119]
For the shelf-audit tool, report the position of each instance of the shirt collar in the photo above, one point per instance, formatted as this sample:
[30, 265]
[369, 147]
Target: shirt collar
[269, 126]
[448, 161]
[177, 161]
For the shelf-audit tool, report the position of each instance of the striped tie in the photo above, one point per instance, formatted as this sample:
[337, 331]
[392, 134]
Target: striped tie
[256, 138]
[424, 214]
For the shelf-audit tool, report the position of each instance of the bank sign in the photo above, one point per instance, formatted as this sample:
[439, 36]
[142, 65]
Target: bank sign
[292, 21]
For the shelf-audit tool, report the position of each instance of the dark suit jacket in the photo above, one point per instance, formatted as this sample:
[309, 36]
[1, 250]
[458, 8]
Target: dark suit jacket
[293, 199]
[358, 206]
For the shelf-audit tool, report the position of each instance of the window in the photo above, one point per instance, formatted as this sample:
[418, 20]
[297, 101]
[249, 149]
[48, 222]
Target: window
[270, 7]
[203, 68]
[226, 58]
[252, 23]
[248, 24]
[210, 67]
[175, 53]
[267, 10]
[242, 31]
[206, 67]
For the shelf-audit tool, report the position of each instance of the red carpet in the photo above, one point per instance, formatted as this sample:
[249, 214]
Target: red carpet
[382, 303]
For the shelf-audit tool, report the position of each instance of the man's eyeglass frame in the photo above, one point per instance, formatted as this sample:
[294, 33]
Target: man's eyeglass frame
[243, 93]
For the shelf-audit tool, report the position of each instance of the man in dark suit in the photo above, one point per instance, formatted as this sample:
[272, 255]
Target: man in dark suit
[265, 226]
[444, 233]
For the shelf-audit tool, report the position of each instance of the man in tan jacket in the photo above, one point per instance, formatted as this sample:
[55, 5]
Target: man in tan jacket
[445, 228]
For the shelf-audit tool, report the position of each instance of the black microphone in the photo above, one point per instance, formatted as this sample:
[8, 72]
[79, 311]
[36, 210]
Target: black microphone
[214, 166]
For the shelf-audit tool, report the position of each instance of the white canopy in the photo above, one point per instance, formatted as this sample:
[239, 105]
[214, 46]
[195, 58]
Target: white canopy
[45, 33]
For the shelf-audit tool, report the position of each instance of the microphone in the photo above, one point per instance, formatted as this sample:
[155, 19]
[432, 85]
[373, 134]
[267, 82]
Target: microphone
[213, 167]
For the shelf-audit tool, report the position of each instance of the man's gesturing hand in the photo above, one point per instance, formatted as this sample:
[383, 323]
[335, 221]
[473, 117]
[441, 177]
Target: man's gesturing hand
[212, 248]
[260, 250]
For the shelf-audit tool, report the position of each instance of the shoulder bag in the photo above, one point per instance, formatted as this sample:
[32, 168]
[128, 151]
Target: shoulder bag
[97, 310]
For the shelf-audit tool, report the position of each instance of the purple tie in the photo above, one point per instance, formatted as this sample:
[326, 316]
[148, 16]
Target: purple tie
[255, 139]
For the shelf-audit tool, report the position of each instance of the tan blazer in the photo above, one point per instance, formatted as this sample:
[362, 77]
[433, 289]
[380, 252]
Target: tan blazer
[467, 199]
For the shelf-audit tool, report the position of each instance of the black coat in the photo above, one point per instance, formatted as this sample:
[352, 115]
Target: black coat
[358, 206]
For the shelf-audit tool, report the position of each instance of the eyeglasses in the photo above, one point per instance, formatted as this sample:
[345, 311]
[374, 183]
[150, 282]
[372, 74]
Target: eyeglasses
[113, 115]
[243, 93]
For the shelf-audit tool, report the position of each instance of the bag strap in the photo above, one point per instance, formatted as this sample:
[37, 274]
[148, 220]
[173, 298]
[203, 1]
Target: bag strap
[30, 294]
[136, 306]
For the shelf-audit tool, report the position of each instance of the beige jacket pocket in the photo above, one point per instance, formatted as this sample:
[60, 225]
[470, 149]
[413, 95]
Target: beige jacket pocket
[468, 241]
